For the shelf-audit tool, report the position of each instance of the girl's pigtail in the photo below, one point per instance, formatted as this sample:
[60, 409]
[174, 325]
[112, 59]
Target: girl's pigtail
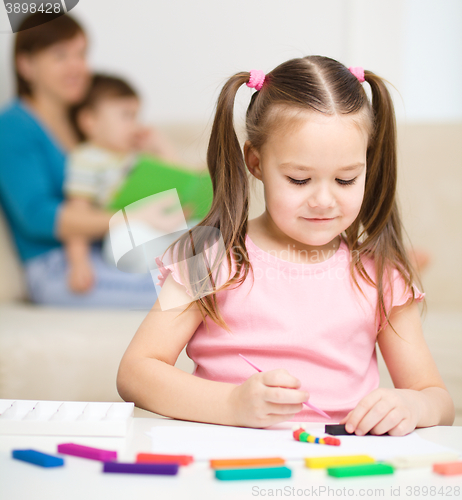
[381, 158]
[379, 212]
[230, 206]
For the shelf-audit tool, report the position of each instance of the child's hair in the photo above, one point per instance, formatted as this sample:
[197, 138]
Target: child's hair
[323, 85]
[101, 87]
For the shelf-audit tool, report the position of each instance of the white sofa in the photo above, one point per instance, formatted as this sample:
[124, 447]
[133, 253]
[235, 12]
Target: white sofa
[68, 354]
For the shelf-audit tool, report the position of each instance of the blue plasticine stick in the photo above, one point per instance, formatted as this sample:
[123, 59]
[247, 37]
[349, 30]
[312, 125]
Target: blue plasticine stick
[37, 458]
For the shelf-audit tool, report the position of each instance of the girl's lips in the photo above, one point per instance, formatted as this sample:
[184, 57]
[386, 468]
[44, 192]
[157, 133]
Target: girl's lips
[319, 221]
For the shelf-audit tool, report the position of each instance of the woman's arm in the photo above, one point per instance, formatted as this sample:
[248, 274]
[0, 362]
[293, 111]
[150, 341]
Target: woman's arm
[79, 220]
[92, 223]
[29, 192]
[420, 398]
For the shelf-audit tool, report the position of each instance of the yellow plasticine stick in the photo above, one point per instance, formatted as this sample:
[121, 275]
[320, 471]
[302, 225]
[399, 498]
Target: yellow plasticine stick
[323, 462]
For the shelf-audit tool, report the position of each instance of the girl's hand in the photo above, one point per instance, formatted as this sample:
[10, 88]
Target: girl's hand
[267, 398]
[395, 411]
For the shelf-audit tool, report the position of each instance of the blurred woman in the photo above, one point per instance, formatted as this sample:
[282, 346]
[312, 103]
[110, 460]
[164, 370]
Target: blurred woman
[36, 136]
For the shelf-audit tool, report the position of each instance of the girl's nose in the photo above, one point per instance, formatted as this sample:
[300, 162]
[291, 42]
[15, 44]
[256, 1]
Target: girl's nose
[321, 197]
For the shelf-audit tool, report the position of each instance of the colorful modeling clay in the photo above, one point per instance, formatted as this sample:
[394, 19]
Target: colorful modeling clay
[245, 462]
[301, 435]
[78, 450]
[37, 458]
[252, 473]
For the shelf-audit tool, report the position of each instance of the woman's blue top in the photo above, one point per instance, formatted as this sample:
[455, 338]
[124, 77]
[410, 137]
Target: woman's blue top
[32, 167]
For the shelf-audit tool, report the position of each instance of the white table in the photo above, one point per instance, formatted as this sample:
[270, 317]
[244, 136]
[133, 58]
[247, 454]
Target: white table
[83, 480]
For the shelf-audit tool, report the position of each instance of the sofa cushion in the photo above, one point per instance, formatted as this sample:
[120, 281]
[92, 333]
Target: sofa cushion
[12, 282]
[64, 354]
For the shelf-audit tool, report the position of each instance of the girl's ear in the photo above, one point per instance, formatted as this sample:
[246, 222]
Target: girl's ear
[252, 160]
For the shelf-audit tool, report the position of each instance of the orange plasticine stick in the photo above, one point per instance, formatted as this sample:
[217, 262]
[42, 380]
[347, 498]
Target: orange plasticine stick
[245, 462]
[164, 459]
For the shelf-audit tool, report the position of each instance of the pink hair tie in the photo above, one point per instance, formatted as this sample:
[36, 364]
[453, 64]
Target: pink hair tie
[257, 77]
[358, 72]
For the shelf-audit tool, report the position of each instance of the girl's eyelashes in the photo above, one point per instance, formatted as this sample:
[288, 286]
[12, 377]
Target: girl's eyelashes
[342, 182]
[346, 183]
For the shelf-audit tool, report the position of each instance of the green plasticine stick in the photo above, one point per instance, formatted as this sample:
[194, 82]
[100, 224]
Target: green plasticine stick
[251, 473]
[360, 470]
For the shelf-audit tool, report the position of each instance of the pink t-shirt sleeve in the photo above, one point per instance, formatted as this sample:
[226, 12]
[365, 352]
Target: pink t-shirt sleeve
[203, 263]
[401, 292]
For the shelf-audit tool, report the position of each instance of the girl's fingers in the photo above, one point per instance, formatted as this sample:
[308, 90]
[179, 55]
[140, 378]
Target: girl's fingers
[404, 427]
[280, 378]
[373, 417]
[391, 420]
[344, 419]
[361, 410]
[281, 395]
[284, 409]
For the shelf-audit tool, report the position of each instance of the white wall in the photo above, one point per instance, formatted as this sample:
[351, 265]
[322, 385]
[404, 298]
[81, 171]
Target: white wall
[178, 54]
[432, 60]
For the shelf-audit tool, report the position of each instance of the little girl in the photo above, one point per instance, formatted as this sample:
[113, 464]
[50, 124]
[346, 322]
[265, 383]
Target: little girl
[305, 290]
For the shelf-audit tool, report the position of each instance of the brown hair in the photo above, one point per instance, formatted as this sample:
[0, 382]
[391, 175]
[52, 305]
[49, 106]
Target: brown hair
[101, 87]
[36, 33]
[323, 85]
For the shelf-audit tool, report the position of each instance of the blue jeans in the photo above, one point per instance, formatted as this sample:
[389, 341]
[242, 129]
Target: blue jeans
[46, 277]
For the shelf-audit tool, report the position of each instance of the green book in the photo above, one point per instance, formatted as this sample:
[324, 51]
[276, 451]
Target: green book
[151, 176]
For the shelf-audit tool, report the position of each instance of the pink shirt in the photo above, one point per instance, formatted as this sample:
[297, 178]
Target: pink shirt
[307, 318]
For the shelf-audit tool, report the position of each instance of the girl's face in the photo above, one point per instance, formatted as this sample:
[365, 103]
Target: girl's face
[60, 71]
[314, 176]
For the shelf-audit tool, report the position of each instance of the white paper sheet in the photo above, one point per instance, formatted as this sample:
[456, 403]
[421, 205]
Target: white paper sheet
[207, 442]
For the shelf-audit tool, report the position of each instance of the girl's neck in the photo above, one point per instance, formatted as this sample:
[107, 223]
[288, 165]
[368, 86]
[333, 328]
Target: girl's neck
[54, 114]
[267, 236]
